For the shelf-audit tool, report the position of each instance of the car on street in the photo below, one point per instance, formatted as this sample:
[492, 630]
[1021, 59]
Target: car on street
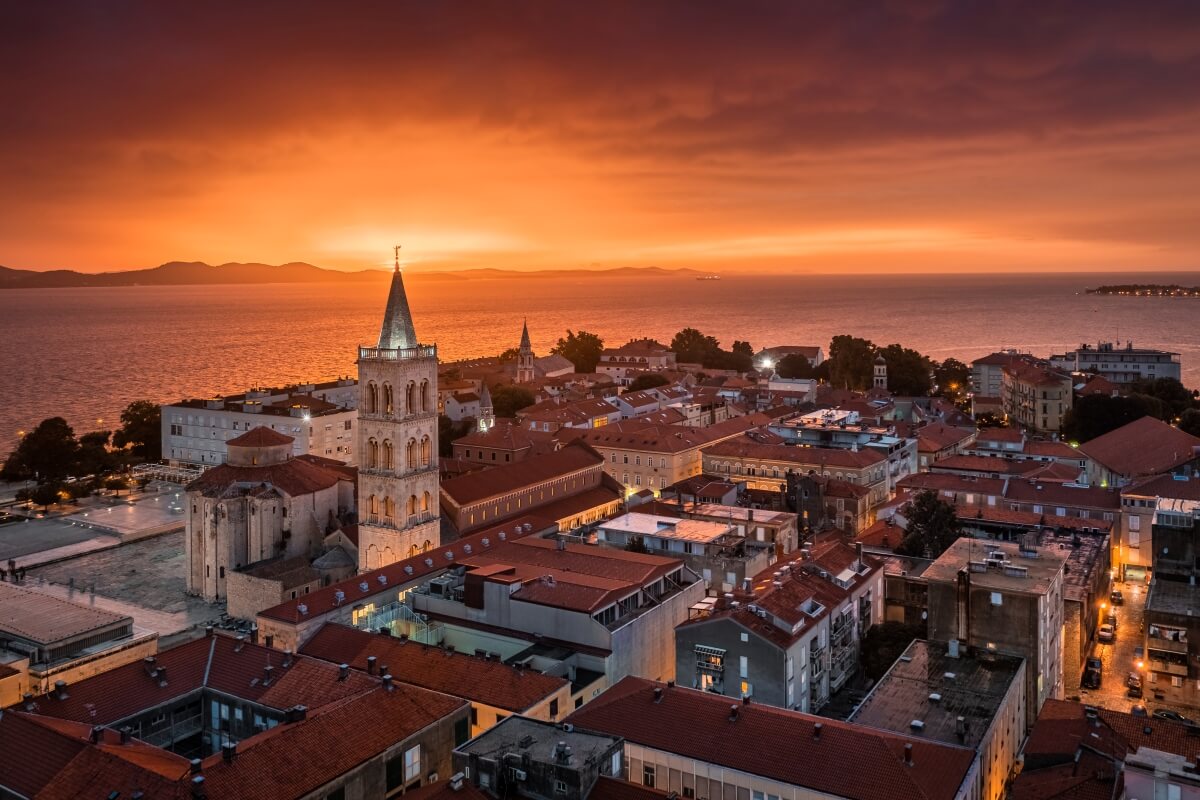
[1138, 710]
[1092, 677]
[1107, 633]
[1116, 598]
[1111, 619]
[1174, 716]
[1134, 684]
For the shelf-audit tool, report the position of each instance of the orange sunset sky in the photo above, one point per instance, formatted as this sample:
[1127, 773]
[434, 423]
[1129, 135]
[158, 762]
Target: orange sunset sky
[887, 136]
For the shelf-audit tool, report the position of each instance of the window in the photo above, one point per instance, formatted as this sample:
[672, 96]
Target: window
[337, 794]
[1135, 522]
[412, 763]
[997, 599]
[560, 787]
[743, 666]
[554, 708]
[462, 730]
[648, 775]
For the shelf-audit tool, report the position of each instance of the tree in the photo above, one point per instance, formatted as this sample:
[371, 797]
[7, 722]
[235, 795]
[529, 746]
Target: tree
[1189, 421]
[647, 380]
[908, 372]
[989, 419]
[851, 362]
[1174, 395]
[884, 643]
[581, 349]
[508, 400]
[953, 379]
[1096, 414]
[932, 526]
[794, 365]
[94, 457]
[45, 495]
[47, 453]
[509, 355]
[693, 347]
[141, 430]
[116, 485]
[448, 431]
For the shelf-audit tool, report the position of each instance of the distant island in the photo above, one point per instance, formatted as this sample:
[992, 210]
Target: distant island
[1148, 290]
[192, 273]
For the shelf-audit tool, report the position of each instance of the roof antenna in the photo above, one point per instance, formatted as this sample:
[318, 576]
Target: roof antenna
[396, 250]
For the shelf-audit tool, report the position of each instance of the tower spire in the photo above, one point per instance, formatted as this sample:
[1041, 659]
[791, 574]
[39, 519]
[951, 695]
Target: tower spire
[525, 345]
[397, 332]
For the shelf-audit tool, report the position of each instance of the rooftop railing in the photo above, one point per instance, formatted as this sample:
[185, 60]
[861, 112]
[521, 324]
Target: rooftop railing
[398, 353]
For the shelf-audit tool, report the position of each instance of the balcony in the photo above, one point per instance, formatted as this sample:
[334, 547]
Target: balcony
[1168, 663]
[1166, 645]
[397, 354]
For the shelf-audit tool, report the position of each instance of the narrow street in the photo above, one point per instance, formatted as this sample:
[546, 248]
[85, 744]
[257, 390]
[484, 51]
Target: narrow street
[1123, 656]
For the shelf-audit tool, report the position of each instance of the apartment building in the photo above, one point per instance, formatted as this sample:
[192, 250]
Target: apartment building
[1145, 447]
[321, 419]
[1120, 365]
[1034, 397]
[1003, 597]
[1134, 547]
[633, 357]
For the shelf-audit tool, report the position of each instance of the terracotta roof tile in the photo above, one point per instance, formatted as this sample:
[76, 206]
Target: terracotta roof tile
[293, 477]
[1146, 446]
[261, 436]
[476, 486]
[747, 447]
[699, 725]
[492, 683]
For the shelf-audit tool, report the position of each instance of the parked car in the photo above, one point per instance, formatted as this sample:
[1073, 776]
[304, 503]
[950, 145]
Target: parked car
[1092, 678]
[1138, 710]
[1135, 692]
[1134, 680]
[1116, 598]
[1174, 716]
[1111, 619]
[1107, 633]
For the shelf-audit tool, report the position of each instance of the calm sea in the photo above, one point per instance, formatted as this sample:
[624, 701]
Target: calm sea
[85, 353]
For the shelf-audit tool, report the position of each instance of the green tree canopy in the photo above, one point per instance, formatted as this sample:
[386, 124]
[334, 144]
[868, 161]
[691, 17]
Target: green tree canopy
[509, 355]
[509, 399]
[909, 373]
[1096, 414]
[47, 453]
[794, 365]
[851, 362]
[94, 457]
[647, 380]
[932, 526]
[693, 347]
[581, 349]
[1189, 421]
[1176, 398]
[448, 431]
[953, 379]
[45, 495]
[141, 430]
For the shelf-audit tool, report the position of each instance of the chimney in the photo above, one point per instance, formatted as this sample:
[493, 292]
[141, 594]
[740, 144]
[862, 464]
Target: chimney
[296, 713]
[196, 766]
[208, 631]
[561, 543]
[817, 727]
[746, 700]
[60, 690]
[908, 753]
[287, 658]
[343, 671]
[658, 694]
[267, 670]
[241, 642]
[371, 664]
[670, 684]
[383, 669]
[733, 713]
[228, 752]
[858, 550]
[126, 734]
[28, 698]
[254, 634]
[97, 734]
[198, 792]
[387, 681]
[456, 781]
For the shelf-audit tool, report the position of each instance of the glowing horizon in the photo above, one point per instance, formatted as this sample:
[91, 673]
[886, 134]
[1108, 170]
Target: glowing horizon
[918, 137]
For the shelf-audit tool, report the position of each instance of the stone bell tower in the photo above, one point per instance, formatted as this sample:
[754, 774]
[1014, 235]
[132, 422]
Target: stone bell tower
[397, 433]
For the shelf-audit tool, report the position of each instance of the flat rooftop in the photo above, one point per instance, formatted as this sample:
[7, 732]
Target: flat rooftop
[918, 687]
[687, 530]
[741, 514]
[518, 734]
[1041, 565]
[1172, 597]
[39, 618]
[1086, 553]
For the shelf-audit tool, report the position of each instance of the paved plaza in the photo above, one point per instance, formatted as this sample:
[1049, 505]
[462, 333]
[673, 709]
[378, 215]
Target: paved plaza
[27, 537]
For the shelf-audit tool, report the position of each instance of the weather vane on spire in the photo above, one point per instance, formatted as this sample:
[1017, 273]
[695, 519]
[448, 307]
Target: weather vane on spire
[396, 250]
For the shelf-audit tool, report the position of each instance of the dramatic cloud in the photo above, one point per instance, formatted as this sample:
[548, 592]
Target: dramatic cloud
[898, 135]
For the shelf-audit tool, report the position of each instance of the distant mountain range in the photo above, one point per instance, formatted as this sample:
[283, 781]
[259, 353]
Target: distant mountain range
[184, 273]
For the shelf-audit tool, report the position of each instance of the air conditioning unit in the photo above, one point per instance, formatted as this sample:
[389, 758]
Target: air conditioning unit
[518, 774]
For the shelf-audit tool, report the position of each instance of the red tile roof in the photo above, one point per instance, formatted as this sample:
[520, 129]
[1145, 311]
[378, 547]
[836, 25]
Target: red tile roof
[1169, 486]
[476, 486]
[745, 447]
[638, 434]
[998, 466]
[492, 683]
[608, 788]
[938, 436]
[1052, 493]
[947, 482]
[409, 570]
[699, 725]
[1146, 446]
[261, 436]
[506, 435]
[293, 477]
